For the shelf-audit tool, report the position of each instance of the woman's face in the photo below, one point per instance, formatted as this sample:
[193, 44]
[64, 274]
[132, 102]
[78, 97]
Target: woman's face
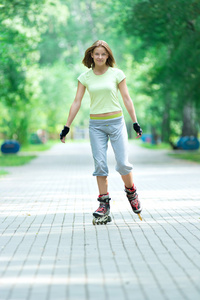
[100, 56]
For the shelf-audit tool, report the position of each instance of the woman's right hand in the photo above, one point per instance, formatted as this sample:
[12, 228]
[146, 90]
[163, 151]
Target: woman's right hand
[63, 133]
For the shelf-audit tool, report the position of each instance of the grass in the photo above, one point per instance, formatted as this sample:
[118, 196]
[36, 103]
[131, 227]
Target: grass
[38, 147]
[2, 173]
[22, 158]
[160, 146]
[187, 155]
[190, 155]
[12, 160]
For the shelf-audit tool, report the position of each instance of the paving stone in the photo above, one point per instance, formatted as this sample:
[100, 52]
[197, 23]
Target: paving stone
[50, 249]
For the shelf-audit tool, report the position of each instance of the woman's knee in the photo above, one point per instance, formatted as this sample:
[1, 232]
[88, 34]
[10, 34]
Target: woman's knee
[101, 168]
[124, 169]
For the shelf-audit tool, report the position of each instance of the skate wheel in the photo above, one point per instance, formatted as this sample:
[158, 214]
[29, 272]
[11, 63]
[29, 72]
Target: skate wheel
[140, 217]
[101, 221]
[109, 219]
[98, 221]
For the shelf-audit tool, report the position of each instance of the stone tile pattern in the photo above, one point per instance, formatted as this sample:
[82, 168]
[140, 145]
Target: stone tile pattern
[51, 251]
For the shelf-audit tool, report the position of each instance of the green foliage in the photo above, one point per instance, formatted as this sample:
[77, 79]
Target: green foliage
[156, 43]
[169, 32]
[18, 57]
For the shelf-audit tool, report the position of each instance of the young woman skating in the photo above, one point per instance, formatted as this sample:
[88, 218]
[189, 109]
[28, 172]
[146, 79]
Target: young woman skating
[106, 122]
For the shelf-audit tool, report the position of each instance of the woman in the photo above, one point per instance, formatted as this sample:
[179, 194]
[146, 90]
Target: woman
[102, 81]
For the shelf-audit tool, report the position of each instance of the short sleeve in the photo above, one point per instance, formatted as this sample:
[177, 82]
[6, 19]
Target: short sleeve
[82, 79]
[120, 76]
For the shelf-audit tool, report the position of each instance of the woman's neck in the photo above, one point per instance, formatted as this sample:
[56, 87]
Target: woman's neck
[99, 70]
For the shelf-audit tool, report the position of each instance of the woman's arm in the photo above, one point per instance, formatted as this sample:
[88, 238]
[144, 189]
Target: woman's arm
[128, 103]
[75, 106]
[127, 100]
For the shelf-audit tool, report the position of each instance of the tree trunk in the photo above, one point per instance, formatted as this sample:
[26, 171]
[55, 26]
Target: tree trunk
[189, 127]
[165, 134]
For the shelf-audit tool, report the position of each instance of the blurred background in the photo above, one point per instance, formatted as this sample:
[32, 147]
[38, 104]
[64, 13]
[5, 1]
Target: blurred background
[42, 43]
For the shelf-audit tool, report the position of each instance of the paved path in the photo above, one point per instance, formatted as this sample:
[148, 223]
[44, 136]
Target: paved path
[51, 251]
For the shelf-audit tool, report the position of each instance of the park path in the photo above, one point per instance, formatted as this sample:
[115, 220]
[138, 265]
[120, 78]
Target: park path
[51, 251]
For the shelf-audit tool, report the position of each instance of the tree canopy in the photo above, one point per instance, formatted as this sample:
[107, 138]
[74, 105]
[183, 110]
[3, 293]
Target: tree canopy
[155, 42]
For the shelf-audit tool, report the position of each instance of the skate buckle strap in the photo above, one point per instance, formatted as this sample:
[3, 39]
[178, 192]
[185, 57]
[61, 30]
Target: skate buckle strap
[102, 207]
[104, 198]
[132, 196]
[134, 202]
[131, 193]
[133, 199]
[131, 190]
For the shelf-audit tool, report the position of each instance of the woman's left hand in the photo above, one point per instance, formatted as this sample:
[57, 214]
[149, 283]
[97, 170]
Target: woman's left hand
[138, 129]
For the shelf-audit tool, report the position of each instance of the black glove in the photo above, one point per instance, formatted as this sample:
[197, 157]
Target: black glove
[137, 128]
[64, 132]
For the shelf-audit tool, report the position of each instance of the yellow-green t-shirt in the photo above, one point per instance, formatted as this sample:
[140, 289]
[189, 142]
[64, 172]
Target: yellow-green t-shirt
[103, 90]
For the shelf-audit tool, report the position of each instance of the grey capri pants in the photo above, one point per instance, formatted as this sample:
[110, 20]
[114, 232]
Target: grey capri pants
[100, 131]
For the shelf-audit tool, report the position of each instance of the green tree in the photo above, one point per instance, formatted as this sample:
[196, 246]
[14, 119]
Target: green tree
[168, 30]
[21, 26]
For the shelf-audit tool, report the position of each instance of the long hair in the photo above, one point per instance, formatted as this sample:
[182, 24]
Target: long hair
[88, 60]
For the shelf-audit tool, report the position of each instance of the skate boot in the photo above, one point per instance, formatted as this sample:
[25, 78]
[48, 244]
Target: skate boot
[101, 215]
[132, 196]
